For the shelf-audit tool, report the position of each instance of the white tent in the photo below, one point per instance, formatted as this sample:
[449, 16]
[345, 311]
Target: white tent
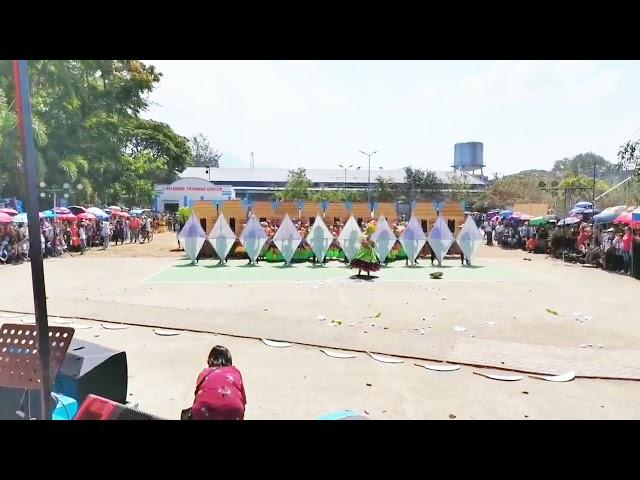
[413, 239]
[440, 238]
[350, 238]
[383, 237]
[320, 238]
[253, 237]
[222, 237]
[287, 239]
[192, 237]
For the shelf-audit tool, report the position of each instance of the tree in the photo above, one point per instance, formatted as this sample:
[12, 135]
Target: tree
[203, 153]
[297, 187]
[629, 156]
[419, 185]
[582, 164]
[88, 129]
[386, 189]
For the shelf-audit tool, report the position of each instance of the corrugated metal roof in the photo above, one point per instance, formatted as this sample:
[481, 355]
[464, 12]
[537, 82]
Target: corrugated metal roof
[327, 175]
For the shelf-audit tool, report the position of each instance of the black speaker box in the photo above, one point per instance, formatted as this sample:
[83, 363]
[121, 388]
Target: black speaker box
[91, 368]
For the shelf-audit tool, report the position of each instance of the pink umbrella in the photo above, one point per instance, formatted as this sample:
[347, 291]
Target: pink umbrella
[8, 211]
[113, 207]
[625, 218]
[66, 217]
[5, 218]
[86, 216]
[62, 210]
[120, 214]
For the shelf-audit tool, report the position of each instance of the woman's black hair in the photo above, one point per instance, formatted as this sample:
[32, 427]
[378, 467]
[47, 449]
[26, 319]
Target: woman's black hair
[219, 356]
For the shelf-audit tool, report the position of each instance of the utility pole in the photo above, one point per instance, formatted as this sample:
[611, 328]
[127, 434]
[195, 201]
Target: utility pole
[593, 193]
[25, 127]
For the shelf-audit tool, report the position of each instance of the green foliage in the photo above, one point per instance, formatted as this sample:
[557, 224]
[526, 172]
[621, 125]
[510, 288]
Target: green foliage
[183, 214]
[629, 156]
[88, 129]
[419, 185]
[297, 187]
[203, 153]
[582, 164]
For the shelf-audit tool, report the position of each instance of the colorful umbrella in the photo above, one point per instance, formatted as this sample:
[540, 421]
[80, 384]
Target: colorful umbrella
[97, 212]
[635, 215]
[62, 210]
[583, 205]
[113, 207]
[506, 213]
[86, 216]
[538, 221]
[5, 218]
[9, 211]
[569, 221]
[66, 217]
[48, 214]
[626, 218]
[76, 209]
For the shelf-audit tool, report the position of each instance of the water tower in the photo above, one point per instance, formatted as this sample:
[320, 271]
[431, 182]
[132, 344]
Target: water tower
[468, 157]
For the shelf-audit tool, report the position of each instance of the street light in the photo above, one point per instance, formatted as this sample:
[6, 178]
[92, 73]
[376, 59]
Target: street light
[369, 155]
[345, 177]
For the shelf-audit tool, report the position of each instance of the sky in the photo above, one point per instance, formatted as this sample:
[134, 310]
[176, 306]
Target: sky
[319, 114]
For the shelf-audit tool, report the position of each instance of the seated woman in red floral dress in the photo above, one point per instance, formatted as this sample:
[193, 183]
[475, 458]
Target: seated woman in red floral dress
[219, 391]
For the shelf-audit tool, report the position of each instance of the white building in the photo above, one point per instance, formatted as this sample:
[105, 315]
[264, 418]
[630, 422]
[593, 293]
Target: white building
[189, 189]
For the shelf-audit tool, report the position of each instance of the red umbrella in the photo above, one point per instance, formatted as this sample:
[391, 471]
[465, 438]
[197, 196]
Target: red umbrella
[66, 217]
[120, 214]
[8, 211]
[86, 216]
[4, 218]
[625, 218]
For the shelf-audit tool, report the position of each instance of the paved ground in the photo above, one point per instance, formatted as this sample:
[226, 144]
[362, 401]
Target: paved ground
[402, 313]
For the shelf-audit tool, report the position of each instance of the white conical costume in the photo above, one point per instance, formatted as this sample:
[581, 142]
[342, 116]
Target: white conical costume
[469, 239]
[192, 237]
[222, 237]
[440, 238]
[320, 238]
[350, 238]
[413, 239]
[384, 238]
[287, 238]
[253, 237]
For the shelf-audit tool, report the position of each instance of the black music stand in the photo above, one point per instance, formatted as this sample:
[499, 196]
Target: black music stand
[19, 358]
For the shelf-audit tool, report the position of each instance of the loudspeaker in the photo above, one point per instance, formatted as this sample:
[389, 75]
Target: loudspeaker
[98, 408]
[91, 368]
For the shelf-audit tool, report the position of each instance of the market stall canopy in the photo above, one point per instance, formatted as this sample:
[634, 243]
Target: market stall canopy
[9, 211]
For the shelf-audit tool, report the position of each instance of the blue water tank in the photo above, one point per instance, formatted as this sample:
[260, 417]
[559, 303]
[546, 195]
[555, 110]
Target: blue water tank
[468, 156]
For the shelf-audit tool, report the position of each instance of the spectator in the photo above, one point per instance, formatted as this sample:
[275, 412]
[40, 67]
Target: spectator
[627, 246]
[219, 391]
[106, 234]
[134, 228]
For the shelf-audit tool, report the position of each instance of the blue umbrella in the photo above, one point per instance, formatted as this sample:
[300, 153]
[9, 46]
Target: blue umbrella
[20, 218]
[604, 217]
[98, 212]
[48, 214]
[576, 210]
[136, 212]
[583, 205]
[505, 213]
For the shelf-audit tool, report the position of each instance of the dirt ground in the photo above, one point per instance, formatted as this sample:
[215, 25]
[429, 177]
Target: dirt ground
[494, 316]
